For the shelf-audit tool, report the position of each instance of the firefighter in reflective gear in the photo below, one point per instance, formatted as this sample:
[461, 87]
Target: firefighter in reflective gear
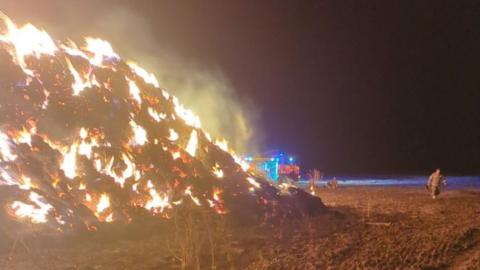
[434, 181]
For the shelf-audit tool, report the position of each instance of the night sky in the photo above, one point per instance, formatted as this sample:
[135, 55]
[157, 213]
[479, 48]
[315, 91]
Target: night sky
[388, 87]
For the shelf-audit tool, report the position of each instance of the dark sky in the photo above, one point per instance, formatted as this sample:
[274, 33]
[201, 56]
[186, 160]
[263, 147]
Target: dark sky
[350, 86]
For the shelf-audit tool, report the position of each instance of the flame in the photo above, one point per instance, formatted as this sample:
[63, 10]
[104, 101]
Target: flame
[26, 182]
[158, 202]
[69, 164]
[36, 212]
[134, 91]
[79, 84]
[109, 218]
[216, 194]
[242, 163]
[173, 135]
[5, 150]
[83, 133]
[103, 203]
[27, 40]
[129, 171]
[165, 94]
[6, 179]
[25, 136]
[140, 134]
[86, 148]
[72, 49]
[147, 77]
[192, 143]
[176, 155]
[217, 171]
[155, 115]
[100, 49]
[187, 115]
[253, 182]
[118, 161]
[188, 191]
[222, 144]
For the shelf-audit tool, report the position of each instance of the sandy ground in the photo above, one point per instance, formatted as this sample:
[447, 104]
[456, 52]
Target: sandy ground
[368, 228]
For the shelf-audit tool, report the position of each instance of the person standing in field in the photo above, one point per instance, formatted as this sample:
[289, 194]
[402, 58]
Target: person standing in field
[434, 181]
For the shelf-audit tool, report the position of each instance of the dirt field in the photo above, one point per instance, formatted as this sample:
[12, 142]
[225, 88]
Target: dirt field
[368, 228]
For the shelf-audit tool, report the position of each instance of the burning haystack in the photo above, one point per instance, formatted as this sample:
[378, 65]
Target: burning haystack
[87, 138]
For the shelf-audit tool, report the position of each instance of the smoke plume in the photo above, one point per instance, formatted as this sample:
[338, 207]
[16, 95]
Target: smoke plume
[203, 89]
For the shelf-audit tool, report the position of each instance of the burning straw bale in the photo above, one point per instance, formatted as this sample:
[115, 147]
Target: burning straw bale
[88, 139]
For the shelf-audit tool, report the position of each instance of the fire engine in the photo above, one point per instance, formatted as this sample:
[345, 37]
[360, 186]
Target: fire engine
[275, 165]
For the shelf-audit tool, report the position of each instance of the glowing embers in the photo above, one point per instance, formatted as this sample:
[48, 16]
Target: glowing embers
[147, 77]
[26, 40]
[139, 134]
[192, 143]
[36, 211]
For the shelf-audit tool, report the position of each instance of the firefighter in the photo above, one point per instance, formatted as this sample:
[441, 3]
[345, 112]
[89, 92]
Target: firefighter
[434, 181]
